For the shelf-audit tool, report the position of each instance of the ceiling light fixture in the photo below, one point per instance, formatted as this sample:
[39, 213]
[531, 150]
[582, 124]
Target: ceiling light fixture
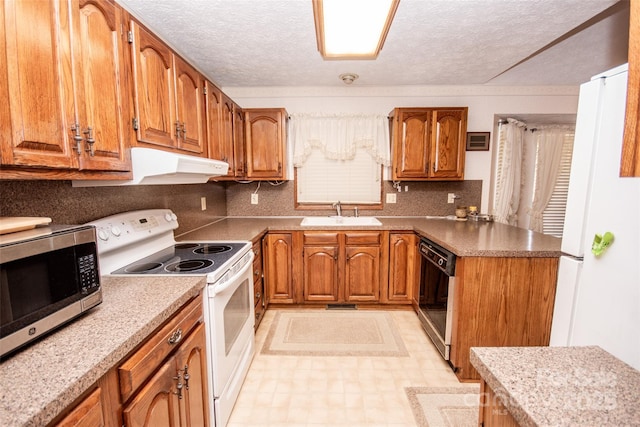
[352, 29]
[348, 78]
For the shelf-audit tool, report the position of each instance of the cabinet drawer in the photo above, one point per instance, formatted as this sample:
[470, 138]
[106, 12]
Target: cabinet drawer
[257, 251]
[259, 310]
[135, 370]
[363, 238]
[321, 238]
[87, 414]
[257, 291]
[257, 272]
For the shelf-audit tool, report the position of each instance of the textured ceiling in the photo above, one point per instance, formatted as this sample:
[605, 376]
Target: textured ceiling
[253, 43]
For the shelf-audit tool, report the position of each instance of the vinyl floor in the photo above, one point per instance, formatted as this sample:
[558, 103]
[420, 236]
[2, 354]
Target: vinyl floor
[339, 390]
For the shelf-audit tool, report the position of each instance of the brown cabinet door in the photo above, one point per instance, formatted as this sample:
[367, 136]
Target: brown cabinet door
[223, 148]
[192, 364]
[320, 273]
[362, 273]
[39, 84]
[154, 89]
[102, 100]
[240, 160]
[448, 143]
[278, 268]
[412, 128]
[403, 267]
[265, 134]
[219, 120]
[189, 101]
[157, 403]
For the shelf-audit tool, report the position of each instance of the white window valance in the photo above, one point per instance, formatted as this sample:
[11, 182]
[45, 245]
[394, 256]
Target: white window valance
[339, 136]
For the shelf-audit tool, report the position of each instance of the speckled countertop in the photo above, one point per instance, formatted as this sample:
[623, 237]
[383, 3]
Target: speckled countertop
[561, 386]
[464, 238]
[37, 383]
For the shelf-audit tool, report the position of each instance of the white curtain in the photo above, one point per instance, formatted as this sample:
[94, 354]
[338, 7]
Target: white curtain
[549, 153]
[338, 136]
[507, 197]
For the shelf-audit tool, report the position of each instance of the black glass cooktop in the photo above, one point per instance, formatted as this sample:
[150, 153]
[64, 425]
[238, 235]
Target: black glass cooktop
[184, 258]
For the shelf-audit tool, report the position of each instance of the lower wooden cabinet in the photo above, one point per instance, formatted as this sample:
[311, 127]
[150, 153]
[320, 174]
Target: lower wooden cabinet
[177, 394]
[163, 383]
[500, 302]
[258, 282]
[342, 266]
[278, 250]
[493, 413]
[88, 413]
[404, 268]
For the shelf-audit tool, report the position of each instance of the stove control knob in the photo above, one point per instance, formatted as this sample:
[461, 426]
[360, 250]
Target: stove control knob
[115, 230]
[102, 235]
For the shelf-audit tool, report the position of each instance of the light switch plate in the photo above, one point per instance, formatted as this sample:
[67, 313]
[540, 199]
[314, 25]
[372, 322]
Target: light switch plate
[203, 203]
[391, 197]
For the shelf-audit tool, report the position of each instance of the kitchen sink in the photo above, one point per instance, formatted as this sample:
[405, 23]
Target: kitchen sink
[319, 221]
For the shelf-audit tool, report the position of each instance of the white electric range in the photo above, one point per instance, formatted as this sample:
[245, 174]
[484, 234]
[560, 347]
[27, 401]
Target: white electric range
[143, 243]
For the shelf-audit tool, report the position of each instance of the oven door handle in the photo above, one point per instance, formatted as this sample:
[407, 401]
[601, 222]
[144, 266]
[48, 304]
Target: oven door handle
[216, 288]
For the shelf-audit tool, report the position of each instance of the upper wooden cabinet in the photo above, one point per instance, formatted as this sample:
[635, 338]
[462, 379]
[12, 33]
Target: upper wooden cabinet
[428, 143]
[265, 142]
[167, 96]
[239, 154]
[64, 83]
[219, 124]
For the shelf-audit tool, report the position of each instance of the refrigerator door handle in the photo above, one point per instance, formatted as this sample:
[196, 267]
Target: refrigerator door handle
[569, 271]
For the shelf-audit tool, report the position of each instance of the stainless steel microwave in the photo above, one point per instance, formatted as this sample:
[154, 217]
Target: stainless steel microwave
[48, 276]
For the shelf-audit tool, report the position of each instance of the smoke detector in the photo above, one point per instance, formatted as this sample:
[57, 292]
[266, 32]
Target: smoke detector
[348, 78]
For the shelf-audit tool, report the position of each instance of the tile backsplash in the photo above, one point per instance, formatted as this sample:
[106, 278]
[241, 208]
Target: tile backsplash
[422, 198]
[65, 204]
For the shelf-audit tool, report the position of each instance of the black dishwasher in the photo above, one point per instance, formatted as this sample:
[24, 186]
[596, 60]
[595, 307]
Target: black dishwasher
[437, 281]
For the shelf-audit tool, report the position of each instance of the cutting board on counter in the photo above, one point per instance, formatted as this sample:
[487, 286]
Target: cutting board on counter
[11, 224]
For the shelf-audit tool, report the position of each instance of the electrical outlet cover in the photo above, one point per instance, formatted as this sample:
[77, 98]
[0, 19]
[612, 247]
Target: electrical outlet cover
[391, 198]
[254, 198]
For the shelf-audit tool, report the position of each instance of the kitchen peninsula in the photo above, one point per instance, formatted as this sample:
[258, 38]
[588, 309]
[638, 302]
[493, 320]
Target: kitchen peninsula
[544, 386]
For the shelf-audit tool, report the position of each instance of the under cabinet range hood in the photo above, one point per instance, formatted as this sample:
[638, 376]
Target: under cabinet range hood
[157, 167]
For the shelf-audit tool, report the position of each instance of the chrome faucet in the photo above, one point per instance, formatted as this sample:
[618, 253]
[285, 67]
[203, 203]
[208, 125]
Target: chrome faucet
[338, 208]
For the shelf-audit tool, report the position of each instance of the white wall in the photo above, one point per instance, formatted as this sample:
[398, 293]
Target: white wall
[484, 102]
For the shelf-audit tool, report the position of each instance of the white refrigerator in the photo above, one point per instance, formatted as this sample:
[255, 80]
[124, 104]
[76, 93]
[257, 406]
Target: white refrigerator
[598, 297]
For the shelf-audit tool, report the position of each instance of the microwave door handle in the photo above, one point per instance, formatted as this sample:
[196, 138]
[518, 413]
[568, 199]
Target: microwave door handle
[215, 289]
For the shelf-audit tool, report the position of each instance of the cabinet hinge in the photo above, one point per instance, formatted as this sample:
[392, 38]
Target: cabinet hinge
[204, 90]
[135, 123]
[130, 36]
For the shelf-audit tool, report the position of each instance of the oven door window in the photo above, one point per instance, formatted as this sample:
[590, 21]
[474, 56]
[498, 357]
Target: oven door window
[34, 287]
[236, 313]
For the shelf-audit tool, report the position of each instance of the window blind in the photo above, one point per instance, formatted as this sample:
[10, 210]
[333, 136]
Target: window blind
[356, 181]
[553, 216]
